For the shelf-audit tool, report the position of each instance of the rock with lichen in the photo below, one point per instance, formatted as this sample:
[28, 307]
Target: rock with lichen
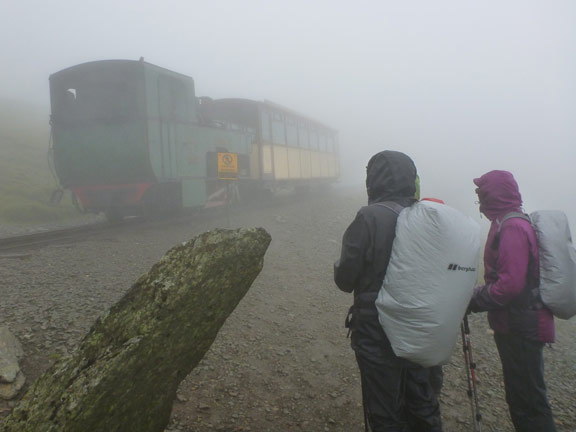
[124, 374]
[11, 377]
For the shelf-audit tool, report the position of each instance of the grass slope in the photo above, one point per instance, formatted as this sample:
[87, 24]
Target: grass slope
[26, 181]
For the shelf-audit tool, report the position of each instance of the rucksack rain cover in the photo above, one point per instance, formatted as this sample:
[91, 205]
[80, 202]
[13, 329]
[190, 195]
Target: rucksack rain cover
[557, 262]
[429, 281]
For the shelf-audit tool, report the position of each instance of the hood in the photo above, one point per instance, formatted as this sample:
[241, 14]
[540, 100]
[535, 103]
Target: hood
[498, 194]
[390, 175]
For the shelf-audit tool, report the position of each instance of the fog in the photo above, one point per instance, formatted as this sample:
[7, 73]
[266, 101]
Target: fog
[461, 87]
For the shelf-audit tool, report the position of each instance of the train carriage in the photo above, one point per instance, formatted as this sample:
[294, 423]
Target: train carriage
[129, 137]
[289, 148]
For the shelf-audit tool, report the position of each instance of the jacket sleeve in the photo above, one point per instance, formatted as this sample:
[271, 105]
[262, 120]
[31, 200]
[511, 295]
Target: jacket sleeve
[512, 270]
[350, 267]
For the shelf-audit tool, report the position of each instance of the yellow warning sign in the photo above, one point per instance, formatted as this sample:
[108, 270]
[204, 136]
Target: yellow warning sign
[228, 166]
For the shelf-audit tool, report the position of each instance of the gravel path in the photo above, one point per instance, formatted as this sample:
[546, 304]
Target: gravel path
[282, 361]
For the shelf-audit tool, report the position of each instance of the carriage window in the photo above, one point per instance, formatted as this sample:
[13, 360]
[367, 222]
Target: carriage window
[292, 133]
[322, 144]
[303, 140]
[265, 125]
[313, 140]
[330, 144]
[278, 131]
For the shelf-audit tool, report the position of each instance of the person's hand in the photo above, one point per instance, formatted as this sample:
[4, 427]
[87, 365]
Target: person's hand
[473, 306]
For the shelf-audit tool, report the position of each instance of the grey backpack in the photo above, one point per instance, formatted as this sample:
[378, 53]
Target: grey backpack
[557, 260]
[429, 282]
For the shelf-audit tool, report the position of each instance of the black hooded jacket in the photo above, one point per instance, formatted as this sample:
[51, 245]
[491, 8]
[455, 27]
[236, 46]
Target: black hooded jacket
[367, 242]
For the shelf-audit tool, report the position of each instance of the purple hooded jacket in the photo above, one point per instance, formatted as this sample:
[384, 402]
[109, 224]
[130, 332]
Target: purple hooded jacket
[511, 276]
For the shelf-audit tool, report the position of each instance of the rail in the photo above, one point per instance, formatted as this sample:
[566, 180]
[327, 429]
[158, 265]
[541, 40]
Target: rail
[43, 238]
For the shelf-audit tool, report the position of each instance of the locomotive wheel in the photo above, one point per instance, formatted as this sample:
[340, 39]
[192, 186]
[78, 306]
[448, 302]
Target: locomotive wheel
[159, 203]
[114, 214]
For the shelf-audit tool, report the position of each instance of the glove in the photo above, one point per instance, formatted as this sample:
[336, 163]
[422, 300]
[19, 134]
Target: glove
[473, 306]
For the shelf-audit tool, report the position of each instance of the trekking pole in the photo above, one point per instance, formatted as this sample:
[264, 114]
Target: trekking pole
[471, 374]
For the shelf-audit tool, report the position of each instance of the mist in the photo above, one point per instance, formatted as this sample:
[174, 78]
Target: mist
[461, 87]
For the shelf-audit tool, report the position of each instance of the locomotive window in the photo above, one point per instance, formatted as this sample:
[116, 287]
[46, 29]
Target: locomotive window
[173, 98]
[68, 101]
[179, 100]
[96, 100]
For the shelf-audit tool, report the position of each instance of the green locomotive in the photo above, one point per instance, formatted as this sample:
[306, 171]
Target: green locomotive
[129, 137]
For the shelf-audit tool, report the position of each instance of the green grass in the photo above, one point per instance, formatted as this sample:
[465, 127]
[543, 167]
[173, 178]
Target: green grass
[26, 180]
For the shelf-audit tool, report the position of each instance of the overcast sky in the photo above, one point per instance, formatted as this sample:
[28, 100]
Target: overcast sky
[463, 87]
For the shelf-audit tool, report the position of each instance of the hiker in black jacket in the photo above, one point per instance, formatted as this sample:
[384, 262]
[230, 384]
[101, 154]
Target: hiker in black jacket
[397, 395]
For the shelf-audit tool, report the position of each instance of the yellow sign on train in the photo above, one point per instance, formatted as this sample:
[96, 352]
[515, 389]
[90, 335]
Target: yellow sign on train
[228, 166]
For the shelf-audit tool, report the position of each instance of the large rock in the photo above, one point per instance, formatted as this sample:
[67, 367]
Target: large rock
[124, 375]
[11, 377]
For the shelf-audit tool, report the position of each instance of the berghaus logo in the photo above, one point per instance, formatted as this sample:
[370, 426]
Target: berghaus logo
[460, 268]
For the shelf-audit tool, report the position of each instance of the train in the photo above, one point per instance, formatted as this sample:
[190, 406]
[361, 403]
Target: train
[132, 138]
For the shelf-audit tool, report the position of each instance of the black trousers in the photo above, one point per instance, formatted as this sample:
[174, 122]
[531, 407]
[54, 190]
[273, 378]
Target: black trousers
[523, 370]
[397, 397]
[437, 379]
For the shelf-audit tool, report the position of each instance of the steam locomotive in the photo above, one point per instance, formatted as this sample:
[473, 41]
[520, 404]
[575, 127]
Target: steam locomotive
[132, 138]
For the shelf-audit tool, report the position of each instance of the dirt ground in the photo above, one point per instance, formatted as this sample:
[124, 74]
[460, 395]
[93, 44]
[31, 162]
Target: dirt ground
[282, 361]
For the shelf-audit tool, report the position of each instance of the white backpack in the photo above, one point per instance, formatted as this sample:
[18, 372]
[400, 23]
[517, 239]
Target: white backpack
[557, 260]
[429, 281]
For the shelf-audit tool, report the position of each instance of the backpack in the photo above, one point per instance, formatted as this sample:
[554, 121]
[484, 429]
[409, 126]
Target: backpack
[557, 260]
[429, 281]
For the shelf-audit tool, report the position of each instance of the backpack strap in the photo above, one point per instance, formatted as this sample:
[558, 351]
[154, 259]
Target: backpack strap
[391, 205]
[532, 296]
[355, 312]
[513, 215]
[496, 242]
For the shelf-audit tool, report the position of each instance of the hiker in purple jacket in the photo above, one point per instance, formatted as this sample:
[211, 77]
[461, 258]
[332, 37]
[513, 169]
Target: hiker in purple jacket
[521, 322]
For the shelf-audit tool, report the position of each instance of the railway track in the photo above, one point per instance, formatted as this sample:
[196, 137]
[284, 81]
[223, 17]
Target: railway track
[12, 246]
[43, 238]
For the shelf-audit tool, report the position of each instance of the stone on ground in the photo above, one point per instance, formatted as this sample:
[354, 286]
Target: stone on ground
[124, 375]
[11, 377]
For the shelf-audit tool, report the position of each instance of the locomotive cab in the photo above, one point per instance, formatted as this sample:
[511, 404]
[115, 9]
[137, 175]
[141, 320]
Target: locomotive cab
[99, 135]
